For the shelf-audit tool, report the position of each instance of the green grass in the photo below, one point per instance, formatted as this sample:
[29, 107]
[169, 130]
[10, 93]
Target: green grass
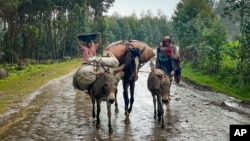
[19, 84]
[217, 83]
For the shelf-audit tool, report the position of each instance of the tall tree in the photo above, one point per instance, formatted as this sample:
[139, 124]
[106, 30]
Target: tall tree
[242, 9]
[200, 33]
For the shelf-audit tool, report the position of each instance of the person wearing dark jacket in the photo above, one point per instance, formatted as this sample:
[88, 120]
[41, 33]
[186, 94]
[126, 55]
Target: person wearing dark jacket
[166, 55]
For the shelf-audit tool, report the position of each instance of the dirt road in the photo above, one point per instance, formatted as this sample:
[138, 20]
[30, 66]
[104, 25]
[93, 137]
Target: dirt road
[192, 115]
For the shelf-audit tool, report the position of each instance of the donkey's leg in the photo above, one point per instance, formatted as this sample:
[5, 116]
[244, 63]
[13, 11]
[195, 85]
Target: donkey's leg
[154, 101]
[126, 100]
[116, 103]
[132, 89]
[162, 117]
[162, 121]
[160, 110]
[93, 110]
[98, 113]
[109, 117]
[159, 107]
[125, 96]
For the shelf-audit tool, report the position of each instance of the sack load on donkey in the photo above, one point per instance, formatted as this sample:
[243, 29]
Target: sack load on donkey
[118, 48]
[84, 76]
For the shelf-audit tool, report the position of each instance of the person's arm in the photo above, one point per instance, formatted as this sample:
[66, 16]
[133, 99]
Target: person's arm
[157, 63]
[98, 44]
[163, 49]
[174, 52]
[99, 38]
[78, 42]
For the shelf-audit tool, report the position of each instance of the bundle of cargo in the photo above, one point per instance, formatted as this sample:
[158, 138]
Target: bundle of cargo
[118, 48]
[85, 76]
[88, 37]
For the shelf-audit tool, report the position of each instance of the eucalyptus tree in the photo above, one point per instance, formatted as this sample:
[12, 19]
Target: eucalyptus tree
[125, 29]
[241, 8]
[156, 33]
[114, 28]
[133, 21]
[232, 28]
[162, 27]
[47, 29]
[199, 33]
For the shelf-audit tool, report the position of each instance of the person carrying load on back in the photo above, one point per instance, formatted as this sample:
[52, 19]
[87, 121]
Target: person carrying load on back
[177, 75]
[166, 54]
[89, 49]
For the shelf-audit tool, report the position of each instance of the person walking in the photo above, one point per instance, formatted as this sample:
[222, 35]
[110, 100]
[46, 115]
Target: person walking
[89, 49]
[177, 59]
[166, 54]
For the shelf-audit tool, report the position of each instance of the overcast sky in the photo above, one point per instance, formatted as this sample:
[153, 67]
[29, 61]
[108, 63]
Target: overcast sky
[127, 7]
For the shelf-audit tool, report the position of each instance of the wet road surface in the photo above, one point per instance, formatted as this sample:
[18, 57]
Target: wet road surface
[192, 115]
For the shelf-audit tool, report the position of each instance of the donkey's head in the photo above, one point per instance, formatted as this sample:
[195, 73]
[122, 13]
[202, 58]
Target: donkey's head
[131, 60]
[165, 85]
[106, 83]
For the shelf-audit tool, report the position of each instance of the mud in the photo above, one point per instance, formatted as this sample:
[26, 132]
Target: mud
[192, 114]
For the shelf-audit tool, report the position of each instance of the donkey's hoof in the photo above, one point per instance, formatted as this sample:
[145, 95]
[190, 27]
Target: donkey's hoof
[127, 121]
[110, 130]
[129, 110]
[116, 110]
[97, 126]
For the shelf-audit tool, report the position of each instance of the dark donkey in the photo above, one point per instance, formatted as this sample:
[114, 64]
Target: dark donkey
[104, 89]
[131, 60]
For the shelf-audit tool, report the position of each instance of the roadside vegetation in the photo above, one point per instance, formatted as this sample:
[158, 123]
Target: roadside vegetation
[216, 83]
[213, 37]
[19, 84]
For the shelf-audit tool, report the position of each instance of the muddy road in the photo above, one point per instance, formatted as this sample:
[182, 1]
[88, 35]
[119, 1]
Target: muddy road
[192, 115]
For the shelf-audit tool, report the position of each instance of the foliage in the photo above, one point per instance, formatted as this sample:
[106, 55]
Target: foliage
[217, 83]
[19, 84]
[200, 33]
[241, 8]
[232, 28]
[204, 45]
[41, 30]
[46, 29]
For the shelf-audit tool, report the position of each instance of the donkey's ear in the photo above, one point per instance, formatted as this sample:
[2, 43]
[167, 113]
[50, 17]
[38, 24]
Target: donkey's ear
[172, 73]
[98, 73]
[118, 72]
[119, 69]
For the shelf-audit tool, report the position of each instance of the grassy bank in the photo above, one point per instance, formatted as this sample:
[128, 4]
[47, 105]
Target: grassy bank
[216, 83]
[19, 84]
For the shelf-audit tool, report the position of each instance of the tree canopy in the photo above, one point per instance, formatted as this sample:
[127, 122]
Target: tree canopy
[40, 30]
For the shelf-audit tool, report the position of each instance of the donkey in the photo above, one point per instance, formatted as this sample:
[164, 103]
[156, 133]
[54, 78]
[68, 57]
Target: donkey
[158, 84]
[104, 89]
[131, 60]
